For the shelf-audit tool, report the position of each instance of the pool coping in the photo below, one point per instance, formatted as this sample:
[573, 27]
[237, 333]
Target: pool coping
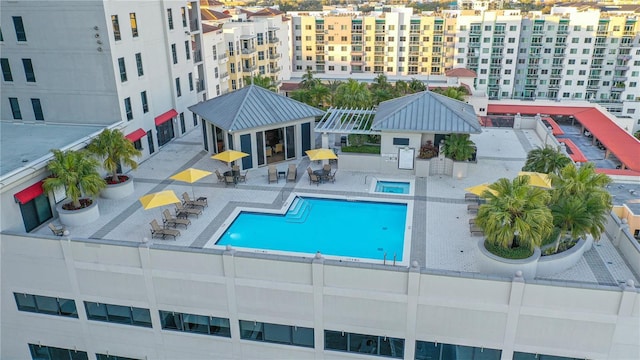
[412, 186]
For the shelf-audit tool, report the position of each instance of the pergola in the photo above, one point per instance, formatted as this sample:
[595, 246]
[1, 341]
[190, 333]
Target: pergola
[347, 121]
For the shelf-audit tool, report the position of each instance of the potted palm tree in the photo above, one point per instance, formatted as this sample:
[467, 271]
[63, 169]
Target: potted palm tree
[546, 160]
[114, 149]
[515, 220]
[460, 149]
[77, 173]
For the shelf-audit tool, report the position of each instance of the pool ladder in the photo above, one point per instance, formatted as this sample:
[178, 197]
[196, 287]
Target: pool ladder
[299, 211]
[384, 259]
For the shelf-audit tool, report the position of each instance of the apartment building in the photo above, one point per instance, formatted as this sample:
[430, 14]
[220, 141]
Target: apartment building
[101, 63]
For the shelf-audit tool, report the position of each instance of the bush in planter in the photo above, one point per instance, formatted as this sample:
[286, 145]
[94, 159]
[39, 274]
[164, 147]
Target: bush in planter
[78, 173]
[516, 216]
[115, 149]
[459, 147]
[428, 151]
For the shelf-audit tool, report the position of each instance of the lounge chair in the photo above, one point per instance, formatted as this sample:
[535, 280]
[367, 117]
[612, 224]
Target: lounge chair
[472, 208]
[184, 212]
[172, 221]
[272, 174]
[278, 149]
[292, 173]
[202, 203]
[475, 230]
[157, 230]
[314, 179]
[469, 197]
[220, 177]
[472, 221]
[243, 177]
[58, 231]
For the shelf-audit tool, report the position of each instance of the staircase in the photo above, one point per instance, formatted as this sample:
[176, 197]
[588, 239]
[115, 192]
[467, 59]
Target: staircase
[299, 211]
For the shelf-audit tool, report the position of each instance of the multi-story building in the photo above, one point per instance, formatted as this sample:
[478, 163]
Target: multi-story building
[101, 63]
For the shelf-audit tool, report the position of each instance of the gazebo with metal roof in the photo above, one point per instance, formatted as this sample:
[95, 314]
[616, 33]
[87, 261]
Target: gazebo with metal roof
[268, 126]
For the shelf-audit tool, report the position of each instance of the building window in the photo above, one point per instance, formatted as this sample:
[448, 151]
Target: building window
[112, 357]
[183, 11]
[366, 344]
[41, 352]
[401, 141]
[178, 90]
[46, 305]
[190, 81]
[127, 108]
[174, 53]
[134, 24]
[187, 50]
[28, 70]
[37, 109]
[6, 70]
[530, 356]
[139, 64]
[119, 314]
[15, 108]
[428, 350]
[116, 27]
[183, 126]
[275, 333]
[170, 19]
[123, 69]
[19, 26]
[199, 324]
[195, 119]
[145, 103]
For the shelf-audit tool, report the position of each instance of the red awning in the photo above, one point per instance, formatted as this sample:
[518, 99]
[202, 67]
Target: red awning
[161, 119]
[136, 135]
[622, 144]
[29, 193]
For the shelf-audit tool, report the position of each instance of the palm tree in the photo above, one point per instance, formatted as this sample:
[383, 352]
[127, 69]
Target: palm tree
[402, 88]
[333, 87]
[545, 160]
[380, 83]
[308, 81]
[262, 81]
[76, 172]
[319, 94]
[115, 149]
[417, 86]
[571, 216]
[302, 95]
[453, 93]
[380, 95]
[458, 147]
[578, 180]
[517, 215]
[353, 94]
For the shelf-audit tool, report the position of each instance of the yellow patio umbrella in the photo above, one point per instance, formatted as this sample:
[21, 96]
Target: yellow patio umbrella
[321, 154]
[190, 176]
[537, 179]
[229, 156]
[161, 198]
[480, 189]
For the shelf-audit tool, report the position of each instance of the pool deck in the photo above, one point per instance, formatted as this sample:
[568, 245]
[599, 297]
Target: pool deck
[440, 231]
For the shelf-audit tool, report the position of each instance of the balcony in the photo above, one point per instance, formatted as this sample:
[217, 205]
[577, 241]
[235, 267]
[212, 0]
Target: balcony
[498, 44]
[530, 86]
[273, 40]
[601, 33]
[274, 56]
[532, 75]
[557, 65]
[474, 44]
[624, 57]
[223, 56]
[617, 88]
[622, 67]
[224, 75]
[249, 68]
[534, 55]
[357, 62]
[554, 86]
[593, 87]
[563, 32]
[594, 76]
[275, 69]
[628, 33]
[618, 78]
[194, 26]
[598, 55]
[561, 44]
[556, 76]
[472, 54]
[197, 56]
[626, 44]
[557, 55]
[200, 85]
[475, 32]
[536, 44]
[248, 50]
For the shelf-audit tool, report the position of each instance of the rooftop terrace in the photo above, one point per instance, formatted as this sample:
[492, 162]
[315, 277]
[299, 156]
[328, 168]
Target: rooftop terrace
[440, 238]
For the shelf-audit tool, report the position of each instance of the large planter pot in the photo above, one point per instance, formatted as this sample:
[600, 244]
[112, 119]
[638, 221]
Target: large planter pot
[422, 167]
[79, 217]
[119, 190]
[557, 263]
[491, 264]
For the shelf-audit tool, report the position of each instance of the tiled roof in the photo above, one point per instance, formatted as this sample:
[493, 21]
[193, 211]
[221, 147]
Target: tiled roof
[209, 28]
[426, 111]
[460, 72]
[212, 15]
[210, 3]
[252, 107]
[267, 12]
[289, 86]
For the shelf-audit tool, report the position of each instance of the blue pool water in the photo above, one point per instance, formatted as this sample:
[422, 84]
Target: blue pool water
[356, 229]
[392, 187]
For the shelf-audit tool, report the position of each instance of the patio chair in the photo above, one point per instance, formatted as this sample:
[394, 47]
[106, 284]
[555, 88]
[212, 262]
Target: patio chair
[326, 167]
[314, 179]
[58, 231]
[170, 220]
[235, 168]
[243, 177]
[292, 173]
[184, 212]
[157, 230]
[220, 177]
[272, 174]
[268, 151]
[278, 149]
[331, 177]
[309, 171]
[230, 180]
[193, 203]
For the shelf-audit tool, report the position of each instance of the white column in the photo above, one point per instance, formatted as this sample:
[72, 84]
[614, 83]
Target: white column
[515, 303]
[317, 276]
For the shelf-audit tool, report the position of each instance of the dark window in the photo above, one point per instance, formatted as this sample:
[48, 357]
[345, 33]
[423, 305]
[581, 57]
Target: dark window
[28, 70]
[127, 108]
[6, 70]
[41, 352]
[190, 81]
[276, 333]
[123, 69]
[112, 357]
[195, 119]
[364, 344]
[19, 26]
[139, 64]
[46, 305]
[184, 16]
[134, 24]
[530, 356]
[400, 141]
[187, 49]
[36, 212]
[137, 144]
[170, 18]
[116, 27]
[37, 109]
[183, 127]
[178, 90]
[152, 149]
[119, 314]
[15, 108]
[200, 324]
[439, 351]
[145, 103]
[174, 53]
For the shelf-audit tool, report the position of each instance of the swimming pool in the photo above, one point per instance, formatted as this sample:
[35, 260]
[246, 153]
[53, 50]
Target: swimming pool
[392, 187]
[340, 228]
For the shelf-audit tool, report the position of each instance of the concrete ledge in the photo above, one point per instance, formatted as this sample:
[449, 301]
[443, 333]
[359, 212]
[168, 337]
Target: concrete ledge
[79, 217]
[556, 263]
[118, 191]
[495, 265]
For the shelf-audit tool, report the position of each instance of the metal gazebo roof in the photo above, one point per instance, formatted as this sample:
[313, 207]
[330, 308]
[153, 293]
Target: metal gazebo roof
[347, 121]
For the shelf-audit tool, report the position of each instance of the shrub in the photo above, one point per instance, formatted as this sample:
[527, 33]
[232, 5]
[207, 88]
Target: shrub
[515, 253]
[428, 151]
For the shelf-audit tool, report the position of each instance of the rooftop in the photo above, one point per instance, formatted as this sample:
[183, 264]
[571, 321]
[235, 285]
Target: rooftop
[440, 238]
